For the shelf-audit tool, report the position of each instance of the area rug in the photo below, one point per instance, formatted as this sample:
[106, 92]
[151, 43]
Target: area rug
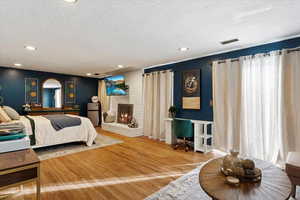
[187, 187]
[66, 149]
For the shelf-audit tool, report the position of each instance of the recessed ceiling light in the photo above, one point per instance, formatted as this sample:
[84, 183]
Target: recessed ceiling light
[30, 48]
[17, 64]
[184, 49]
[70, 1]
[121, 66]
[89, 74]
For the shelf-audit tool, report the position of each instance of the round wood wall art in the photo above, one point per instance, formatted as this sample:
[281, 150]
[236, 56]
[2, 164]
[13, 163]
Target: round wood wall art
[191, 84]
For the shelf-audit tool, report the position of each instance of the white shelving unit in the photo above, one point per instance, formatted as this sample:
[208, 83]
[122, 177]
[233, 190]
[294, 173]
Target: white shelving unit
[203, 141]
[201, 136]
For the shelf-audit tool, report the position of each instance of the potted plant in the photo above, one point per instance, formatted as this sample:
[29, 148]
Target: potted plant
[26, 107]
[172, 111]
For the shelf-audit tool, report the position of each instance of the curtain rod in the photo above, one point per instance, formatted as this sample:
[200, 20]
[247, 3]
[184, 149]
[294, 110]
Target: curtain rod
[265, 54]
[293, 50]
[162, 71]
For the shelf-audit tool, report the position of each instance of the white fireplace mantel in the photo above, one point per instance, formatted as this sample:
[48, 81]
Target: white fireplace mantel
[122, 129]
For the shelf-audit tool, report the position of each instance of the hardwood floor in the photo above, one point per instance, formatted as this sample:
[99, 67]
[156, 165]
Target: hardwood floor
[131, 170]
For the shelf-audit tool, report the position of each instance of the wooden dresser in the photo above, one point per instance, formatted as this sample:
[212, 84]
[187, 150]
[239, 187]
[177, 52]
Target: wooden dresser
[53, 111]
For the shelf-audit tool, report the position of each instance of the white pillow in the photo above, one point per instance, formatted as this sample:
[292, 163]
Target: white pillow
[3, 116]
[12, 113]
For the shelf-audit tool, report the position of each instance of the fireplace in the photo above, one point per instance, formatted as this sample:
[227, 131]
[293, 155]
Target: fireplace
[125, 112]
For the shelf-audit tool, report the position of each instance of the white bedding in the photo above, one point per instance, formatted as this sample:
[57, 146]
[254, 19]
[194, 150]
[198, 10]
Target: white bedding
[46, 135]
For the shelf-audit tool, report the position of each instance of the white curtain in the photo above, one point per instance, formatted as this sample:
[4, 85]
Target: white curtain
[247, 107]
[157, 100]
[148, 103]
[103, 98]
[226, 101]
[290, 138]
[261, 117]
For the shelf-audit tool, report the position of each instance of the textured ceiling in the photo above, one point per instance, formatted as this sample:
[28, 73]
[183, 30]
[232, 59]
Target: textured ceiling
[97, 35]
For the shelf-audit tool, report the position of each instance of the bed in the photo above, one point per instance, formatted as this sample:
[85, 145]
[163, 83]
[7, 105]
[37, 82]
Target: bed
[42, 133]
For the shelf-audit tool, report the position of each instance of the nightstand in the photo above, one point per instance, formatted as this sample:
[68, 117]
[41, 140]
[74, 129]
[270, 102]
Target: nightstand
[18, 168]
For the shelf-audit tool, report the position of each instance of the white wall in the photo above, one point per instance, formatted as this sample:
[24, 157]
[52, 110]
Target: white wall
[134, 80]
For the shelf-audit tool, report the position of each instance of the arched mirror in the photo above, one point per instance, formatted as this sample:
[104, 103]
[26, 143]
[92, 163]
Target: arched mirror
[52, 97]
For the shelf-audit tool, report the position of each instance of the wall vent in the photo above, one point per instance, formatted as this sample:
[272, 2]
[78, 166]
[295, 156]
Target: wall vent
[229, 41]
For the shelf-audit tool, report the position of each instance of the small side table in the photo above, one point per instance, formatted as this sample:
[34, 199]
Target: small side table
[18, 168]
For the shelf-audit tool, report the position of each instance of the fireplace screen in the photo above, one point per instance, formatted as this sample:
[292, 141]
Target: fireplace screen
[125, 112]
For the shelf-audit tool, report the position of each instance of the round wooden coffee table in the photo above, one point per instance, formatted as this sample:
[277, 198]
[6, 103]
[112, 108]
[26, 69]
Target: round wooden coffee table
[275, 184]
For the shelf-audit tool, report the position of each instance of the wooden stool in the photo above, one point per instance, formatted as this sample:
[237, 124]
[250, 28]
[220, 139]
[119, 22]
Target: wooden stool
[293, 170]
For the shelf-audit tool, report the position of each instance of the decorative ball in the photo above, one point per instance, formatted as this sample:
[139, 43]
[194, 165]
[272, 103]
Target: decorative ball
[250, 172]
[239, 171]
[248, 164]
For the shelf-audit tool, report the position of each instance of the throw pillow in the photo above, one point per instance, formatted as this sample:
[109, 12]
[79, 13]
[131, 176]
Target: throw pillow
[12, 113]
[3, 116]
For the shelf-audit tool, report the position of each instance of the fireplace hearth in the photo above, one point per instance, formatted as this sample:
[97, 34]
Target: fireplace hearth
[125, 112]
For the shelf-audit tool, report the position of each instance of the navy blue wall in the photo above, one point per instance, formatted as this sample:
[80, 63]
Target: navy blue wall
[204, 64]
[13, 86]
